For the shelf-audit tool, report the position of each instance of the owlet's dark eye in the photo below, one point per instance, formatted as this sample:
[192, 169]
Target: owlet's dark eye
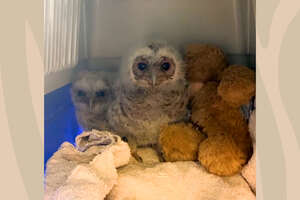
[165, 66]
[100, 93]
[142, 66]
[81, 93]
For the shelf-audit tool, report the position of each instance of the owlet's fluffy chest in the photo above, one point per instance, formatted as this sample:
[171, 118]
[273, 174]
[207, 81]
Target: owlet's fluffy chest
[140, 113]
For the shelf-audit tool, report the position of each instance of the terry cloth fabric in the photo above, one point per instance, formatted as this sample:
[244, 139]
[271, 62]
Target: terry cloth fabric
[177, 181]
[89, 173]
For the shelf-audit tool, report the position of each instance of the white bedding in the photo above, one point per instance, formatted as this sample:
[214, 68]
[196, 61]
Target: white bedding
[74, 175]
[176, 181]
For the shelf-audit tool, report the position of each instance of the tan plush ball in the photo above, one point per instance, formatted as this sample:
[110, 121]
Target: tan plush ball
[204, 62]
[180, 142]
[221, 155]
[237, 85]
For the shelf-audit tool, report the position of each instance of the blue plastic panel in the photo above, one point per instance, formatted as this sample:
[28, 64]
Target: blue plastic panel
[60, 120]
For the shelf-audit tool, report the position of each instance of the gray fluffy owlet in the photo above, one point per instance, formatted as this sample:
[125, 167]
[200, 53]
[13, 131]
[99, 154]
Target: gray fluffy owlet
[153, 92]
[92, 93]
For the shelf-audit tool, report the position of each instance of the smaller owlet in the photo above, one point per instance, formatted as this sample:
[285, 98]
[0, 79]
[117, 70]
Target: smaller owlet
[92, 93]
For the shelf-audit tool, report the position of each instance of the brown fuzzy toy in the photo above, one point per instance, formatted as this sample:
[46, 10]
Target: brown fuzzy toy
[237, 85]
[228, 145]
[204, 62]
[180, 142]
[215, 109]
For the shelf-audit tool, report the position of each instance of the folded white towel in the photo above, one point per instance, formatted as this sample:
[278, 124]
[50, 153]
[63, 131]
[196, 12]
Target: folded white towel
[87, 174]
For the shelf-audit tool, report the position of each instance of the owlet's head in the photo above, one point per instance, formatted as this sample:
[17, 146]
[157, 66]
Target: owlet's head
[154, 65]
[92, 92]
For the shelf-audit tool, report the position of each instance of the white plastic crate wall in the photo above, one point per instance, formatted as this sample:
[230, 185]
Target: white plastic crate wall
[62, 28]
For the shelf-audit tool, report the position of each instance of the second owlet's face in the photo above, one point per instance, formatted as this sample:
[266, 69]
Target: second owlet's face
[91, 93]
[154, 65]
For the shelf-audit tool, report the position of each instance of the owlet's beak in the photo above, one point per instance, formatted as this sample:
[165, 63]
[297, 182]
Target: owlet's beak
[153, 78]
[91, 104]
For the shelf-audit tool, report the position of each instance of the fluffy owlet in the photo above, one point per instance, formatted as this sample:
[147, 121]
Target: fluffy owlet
[153, 92]
[92, 93]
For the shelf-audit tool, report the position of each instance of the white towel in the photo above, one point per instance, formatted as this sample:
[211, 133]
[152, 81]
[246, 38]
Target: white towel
[177, 181]
[87, 174]
[92, 174]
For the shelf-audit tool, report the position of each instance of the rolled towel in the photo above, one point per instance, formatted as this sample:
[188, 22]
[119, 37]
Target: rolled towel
[103, 139]
[94, 166]
[89, 181]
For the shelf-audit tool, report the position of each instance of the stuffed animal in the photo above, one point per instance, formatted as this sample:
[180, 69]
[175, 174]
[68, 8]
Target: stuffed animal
[180, 142]
[204, 63]
[215, 110]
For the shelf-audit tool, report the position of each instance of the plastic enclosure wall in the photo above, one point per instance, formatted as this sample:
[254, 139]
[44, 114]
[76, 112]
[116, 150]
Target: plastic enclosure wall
[108, 28]
[60, 122]
[113, 26]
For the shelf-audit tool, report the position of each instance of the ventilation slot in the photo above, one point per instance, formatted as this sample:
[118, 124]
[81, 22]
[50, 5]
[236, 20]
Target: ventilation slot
[62, 26]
